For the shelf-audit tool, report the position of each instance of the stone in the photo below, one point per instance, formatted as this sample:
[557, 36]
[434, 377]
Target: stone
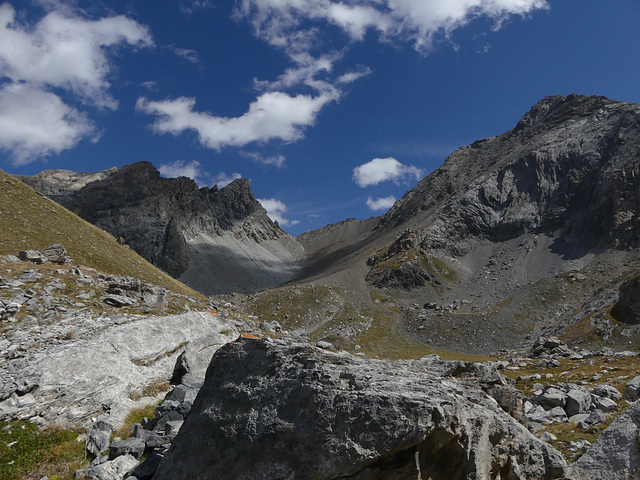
[131, 446]
[276, 409]
[578, 400]
[172, 428]
[192, 364]
[146, 469]
[632, 389]
[99, 437]
[552, 397]
[115, 469]
[605, 404]
[614, 455]
[548, 437]
[607, 391]
[33, 256]
[119, 300]
[57, 254]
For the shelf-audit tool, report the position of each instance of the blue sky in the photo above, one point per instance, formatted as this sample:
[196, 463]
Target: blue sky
[331, 108]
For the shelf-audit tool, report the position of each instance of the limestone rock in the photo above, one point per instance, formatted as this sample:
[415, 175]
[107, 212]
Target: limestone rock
[99, 437]
[615, 454]
[287, 410]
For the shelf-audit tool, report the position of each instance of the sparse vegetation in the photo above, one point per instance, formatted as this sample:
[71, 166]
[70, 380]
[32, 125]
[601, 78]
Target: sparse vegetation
[29, 454]
[137, 415]
[33, 222]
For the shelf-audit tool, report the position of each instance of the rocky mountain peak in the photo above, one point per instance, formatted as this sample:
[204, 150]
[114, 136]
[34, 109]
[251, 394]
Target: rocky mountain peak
[158, 217]
[555, 109]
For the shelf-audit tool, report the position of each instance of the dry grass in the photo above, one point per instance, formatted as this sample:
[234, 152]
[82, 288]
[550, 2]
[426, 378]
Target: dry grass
[30, 221]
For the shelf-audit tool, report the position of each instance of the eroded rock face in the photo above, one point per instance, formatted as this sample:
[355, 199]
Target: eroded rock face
[157, 217]
[278, 409]
[615, 454]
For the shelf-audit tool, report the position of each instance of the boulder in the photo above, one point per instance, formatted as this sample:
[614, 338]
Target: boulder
[578, 400]
[607, 391]
[279, 409]
[33, 256]
[131, 446]
[112, 470]
[615, 454]
[57, 254]
[99, 437]
[632, 389]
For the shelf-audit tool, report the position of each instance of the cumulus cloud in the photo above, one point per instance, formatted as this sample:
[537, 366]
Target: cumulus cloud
[62, 51]
[378, 204]
[222, 179]
[384, 169]
[65, 52]
[35, 123]
[274, 115]
[293, 24]
[275, 209]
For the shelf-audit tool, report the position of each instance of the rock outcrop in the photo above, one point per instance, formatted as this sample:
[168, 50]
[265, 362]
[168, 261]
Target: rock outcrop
[278, 409]
[615, 454]
[192, 233]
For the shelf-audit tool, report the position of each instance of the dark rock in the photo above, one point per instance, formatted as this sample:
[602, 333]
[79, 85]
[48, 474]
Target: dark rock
[33, 256]
[119, 301]
[131, 446]
[263, 413]
[627, 308]
[146, 469]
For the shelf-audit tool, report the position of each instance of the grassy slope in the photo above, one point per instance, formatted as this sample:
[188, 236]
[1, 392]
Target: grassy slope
[29, 221]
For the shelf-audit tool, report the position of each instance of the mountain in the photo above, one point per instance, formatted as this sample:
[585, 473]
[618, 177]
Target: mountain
[214, 240]
[31, 222]
[532, 232]
[527, 233]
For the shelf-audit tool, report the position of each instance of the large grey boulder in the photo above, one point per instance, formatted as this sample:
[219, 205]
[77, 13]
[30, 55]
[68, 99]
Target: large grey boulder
[615, 454]
[632, 389]
[278, 409]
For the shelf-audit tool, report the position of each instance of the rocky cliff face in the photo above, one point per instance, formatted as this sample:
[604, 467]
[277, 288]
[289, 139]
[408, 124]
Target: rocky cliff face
[176, 225]
[569, 168]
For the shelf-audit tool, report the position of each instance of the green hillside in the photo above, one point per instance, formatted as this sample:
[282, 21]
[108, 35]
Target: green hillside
[30, 221]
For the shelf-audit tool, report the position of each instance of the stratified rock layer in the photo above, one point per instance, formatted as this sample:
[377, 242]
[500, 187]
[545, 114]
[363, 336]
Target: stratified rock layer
[277, 409]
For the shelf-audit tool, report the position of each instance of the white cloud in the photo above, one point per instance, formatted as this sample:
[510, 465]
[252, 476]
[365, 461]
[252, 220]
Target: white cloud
[35, 123]
[275, 160]
[64, 51]
[179, 168]
[274, 115]
[384, 203]
[190, 6]
[275, 209]
[222, 179]
[384, 169]
[293, 24]
[187, 54]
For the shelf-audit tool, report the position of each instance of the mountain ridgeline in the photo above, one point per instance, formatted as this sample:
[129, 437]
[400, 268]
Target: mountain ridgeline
[530, 232]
